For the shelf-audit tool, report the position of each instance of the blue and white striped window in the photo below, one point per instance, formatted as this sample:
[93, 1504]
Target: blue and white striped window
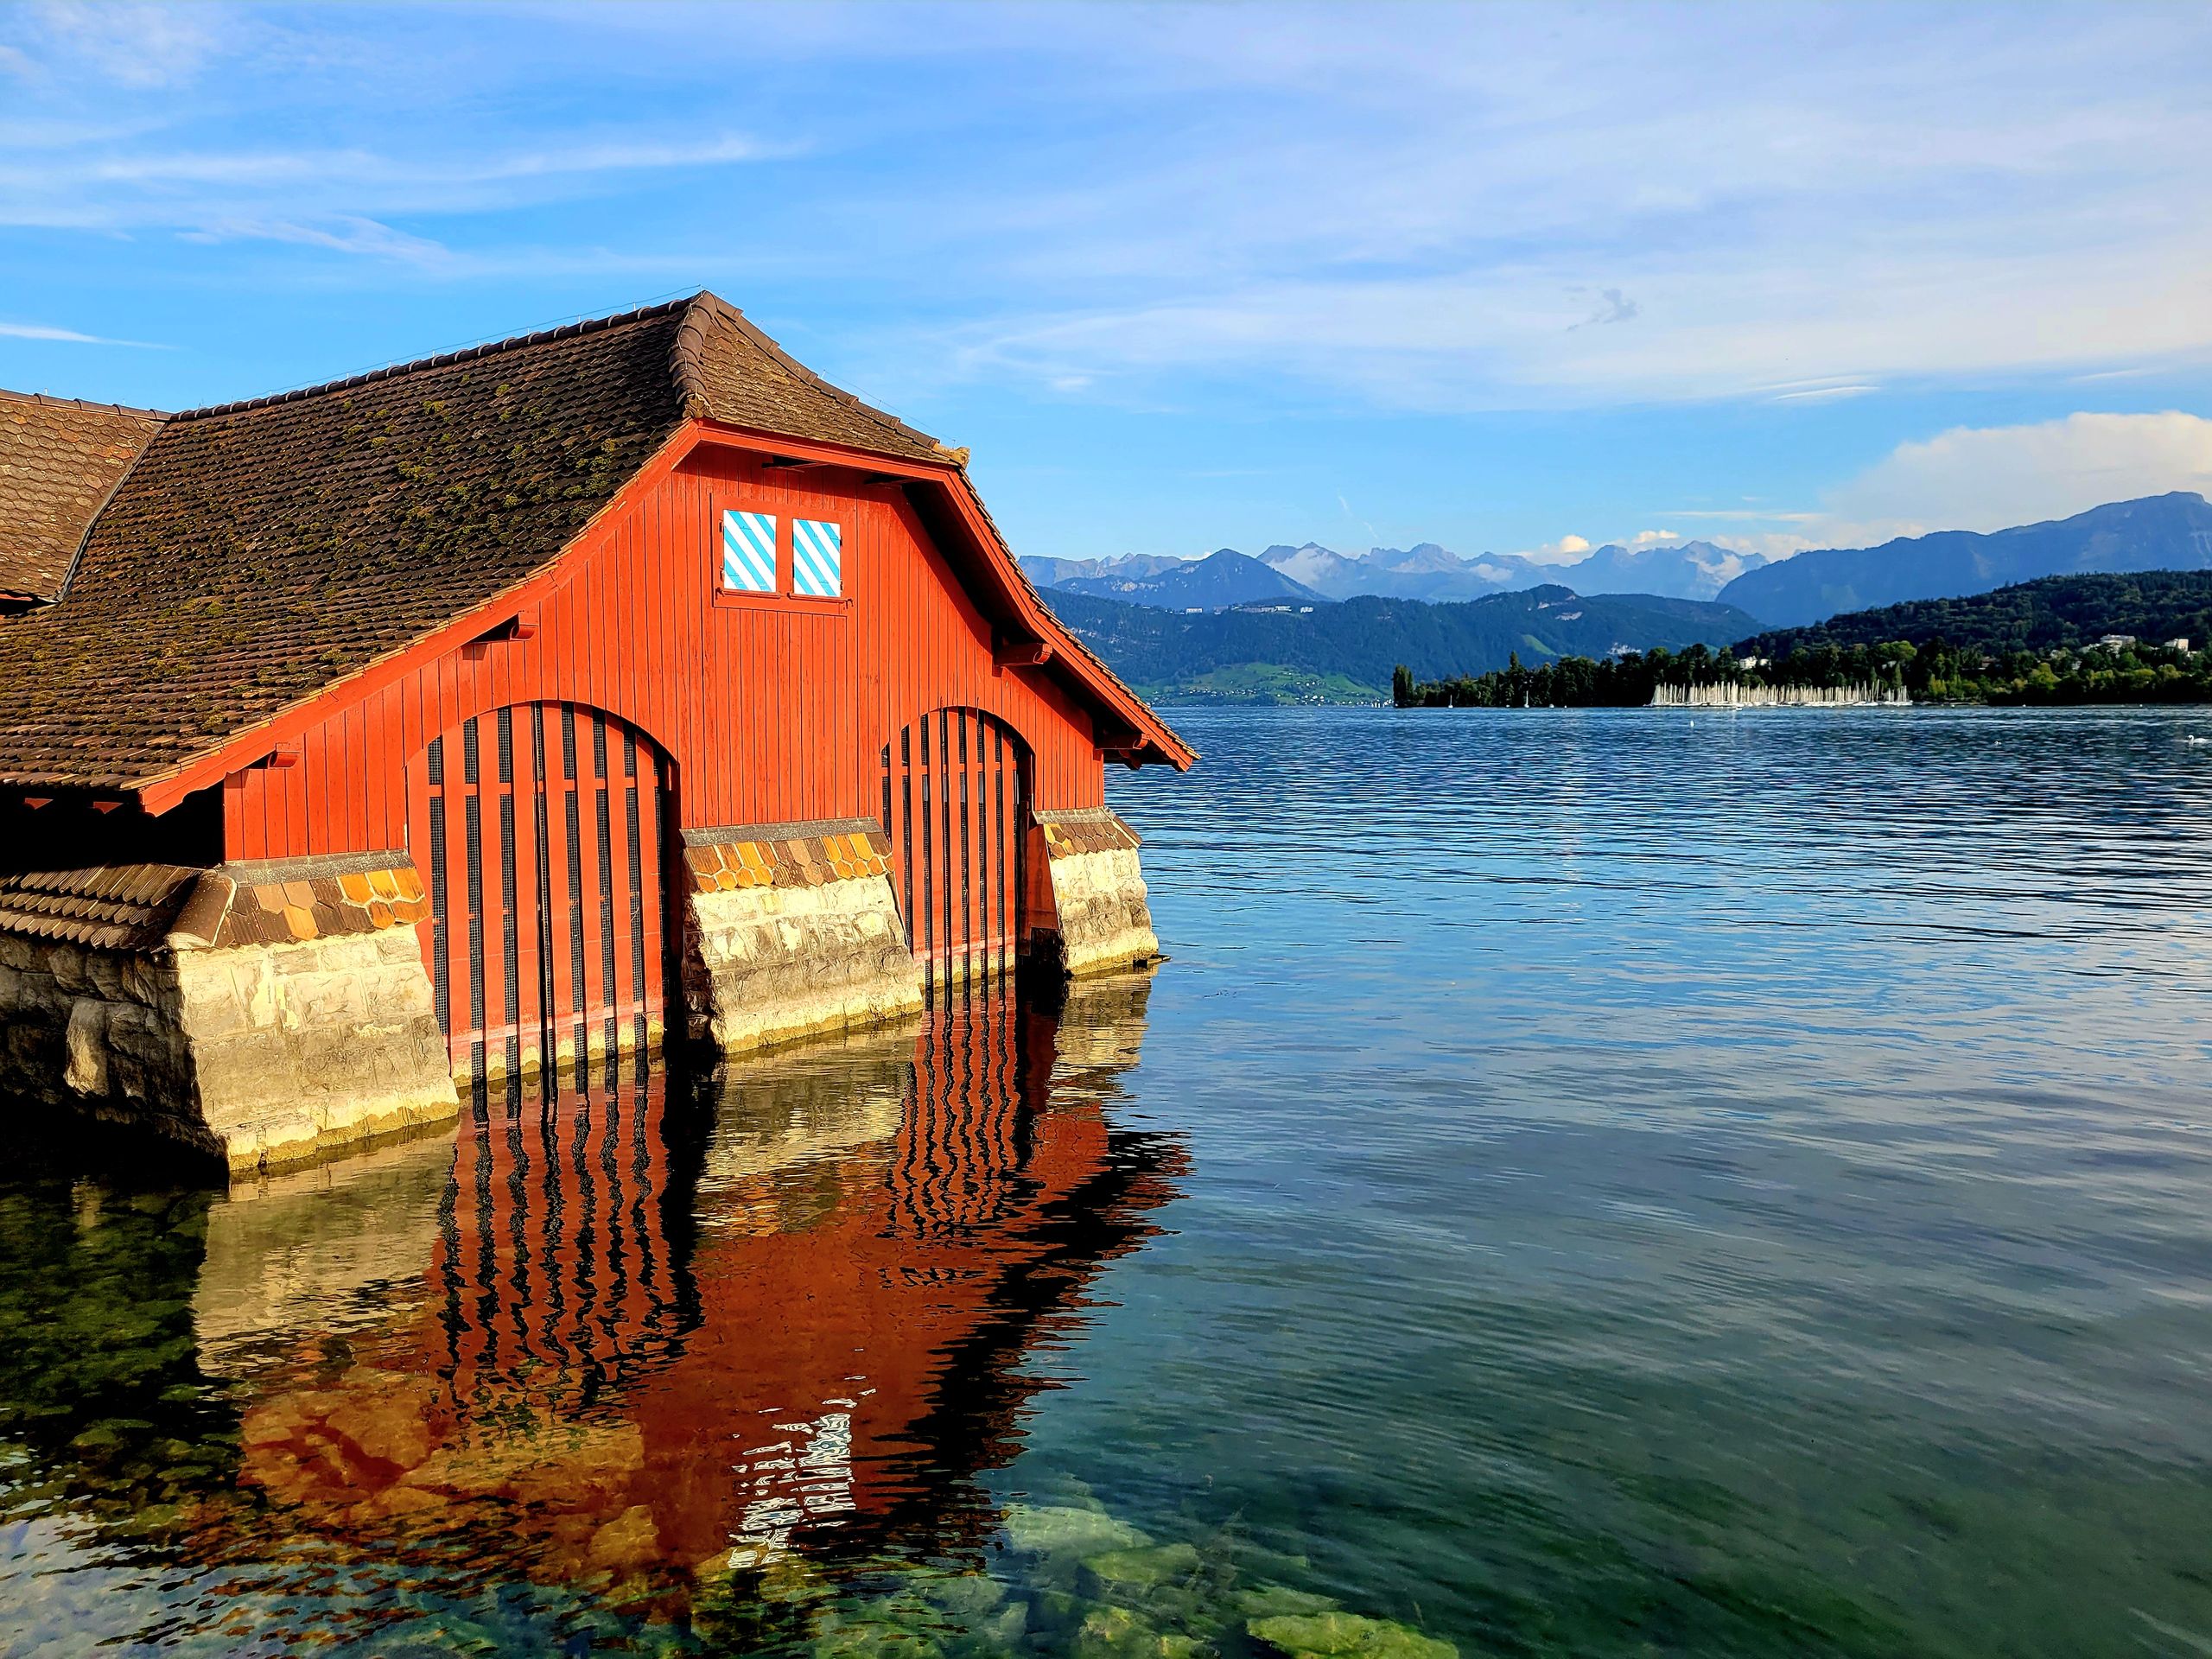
[818, 555]
[749, 552]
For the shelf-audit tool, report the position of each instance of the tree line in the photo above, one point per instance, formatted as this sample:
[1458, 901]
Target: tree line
[1934, 671]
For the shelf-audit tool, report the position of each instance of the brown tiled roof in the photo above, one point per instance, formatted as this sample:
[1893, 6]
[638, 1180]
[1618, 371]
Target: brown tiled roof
[59, 460]
[260, 551]
[734, 373]
[115, 907]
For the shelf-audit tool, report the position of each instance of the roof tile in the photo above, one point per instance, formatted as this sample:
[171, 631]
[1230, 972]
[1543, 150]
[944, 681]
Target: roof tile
[59, 461]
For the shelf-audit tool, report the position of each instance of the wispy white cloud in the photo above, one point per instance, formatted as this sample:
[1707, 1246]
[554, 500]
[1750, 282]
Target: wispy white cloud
[294, 195]
[1987, 477]
[1822, 394]
[342, 234]
[1422, 215]
[65, 336]
[1713, 324]
[134, 45]
[365, 169]
[1424, 209]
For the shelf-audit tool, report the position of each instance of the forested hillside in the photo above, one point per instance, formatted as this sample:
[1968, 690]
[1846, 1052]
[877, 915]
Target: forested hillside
[1344, 652]
[2154, 606]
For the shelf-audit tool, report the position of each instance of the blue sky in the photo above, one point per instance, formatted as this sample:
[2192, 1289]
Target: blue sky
[1509, 279]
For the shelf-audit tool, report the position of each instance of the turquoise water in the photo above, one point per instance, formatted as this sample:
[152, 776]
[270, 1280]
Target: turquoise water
[1594, 1183]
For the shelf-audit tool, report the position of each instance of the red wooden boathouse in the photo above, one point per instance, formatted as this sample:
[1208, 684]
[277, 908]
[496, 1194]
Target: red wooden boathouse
[478, 713]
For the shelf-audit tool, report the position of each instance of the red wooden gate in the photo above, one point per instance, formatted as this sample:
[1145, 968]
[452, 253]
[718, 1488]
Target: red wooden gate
[538, 830]
[955, 800]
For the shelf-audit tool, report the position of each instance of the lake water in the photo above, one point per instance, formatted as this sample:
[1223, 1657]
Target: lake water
[1592, 1183]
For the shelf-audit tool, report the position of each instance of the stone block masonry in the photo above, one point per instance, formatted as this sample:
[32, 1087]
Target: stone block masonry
[271, 1015]
[263, 1015]
[792, 929]
[1104, 917]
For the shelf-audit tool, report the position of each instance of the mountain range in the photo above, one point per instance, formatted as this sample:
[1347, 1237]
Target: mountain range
[1311, 574]
[2158, 532]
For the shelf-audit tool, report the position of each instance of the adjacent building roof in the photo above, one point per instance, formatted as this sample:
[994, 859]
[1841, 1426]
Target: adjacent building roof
[256, 552]
[59, 460]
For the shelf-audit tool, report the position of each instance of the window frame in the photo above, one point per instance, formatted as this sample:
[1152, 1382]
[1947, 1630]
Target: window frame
[717, 531]
[784, 597]
[789, 544]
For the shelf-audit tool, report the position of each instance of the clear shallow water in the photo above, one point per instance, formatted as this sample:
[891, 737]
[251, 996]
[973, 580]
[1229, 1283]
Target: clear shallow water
[1592, 1183]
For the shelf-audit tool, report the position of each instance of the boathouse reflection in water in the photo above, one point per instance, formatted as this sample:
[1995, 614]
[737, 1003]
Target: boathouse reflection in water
[622, 1339]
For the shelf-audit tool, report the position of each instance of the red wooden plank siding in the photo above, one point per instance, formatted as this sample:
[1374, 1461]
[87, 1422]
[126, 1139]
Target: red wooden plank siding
[763, 710]
[541, 831]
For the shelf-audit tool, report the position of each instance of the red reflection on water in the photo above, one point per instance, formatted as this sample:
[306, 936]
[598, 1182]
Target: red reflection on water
[653, 1345]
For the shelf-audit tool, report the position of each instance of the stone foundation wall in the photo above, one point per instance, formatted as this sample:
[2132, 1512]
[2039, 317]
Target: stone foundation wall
[85, 1027]
[265, 1015]
[792, 930]
[271, 1014]
[1104, 919]
[299, 1049]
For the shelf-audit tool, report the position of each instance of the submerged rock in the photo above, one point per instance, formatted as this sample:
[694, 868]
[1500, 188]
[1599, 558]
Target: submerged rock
[1275, 1600]
[1139, 1569]
[899, 1627]
[1345, 1636]
[1118, 1633]
[962, 1595]
[1051, 1529]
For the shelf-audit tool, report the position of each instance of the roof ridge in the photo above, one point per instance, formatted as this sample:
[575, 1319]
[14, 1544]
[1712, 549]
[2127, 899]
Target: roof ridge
[444, 360]
[52, 402]
[684, 357]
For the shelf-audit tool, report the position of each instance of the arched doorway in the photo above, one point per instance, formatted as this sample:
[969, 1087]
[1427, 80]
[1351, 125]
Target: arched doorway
[539, 830]
[955, 803]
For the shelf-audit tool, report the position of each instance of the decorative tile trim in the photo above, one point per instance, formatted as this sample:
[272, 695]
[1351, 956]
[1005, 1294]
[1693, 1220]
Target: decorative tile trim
[798, 828]
[1073, 831]
[290, 901]
[805, 854]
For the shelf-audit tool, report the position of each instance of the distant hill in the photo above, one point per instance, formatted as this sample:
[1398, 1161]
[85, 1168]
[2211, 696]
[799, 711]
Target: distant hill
[2160, 532]
[1344, 652]
[1213, 583]
[2039, 616]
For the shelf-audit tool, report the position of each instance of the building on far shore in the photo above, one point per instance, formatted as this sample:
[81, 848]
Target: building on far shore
[513, 707]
